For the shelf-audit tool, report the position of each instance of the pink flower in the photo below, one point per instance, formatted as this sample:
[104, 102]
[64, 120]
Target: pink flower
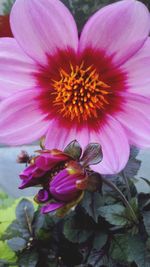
[93, 89]
[63, 176]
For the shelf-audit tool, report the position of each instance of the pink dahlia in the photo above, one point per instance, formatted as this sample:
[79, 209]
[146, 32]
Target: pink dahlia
[95, 88]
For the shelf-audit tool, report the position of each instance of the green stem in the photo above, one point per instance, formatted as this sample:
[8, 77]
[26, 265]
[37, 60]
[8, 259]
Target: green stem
[127, 185]
[125, 201]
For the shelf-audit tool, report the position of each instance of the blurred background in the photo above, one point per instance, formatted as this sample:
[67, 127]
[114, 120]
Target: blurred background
[9, 169]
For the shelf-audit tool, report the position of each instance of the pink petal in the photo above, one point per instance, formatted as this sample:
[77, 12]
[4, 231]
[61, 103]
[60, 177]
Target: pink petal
[59, 136]
[16, 68]
[62, 175]
[115, 147]
[21, 121]
[52, 207]
[138, 71]
[63, 186]
[41, 27]
[49, 160]
[120, 29]
[135, 118]
[31, 177]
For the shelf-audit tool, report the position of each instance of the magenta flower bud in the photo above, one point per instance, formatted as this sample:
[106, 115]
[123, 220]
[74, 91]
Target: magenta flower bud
[40, 169]
[66, 187]
[42, 195]
[63, 186]
[50, 158]
[31, 176]
[23, 157]
[63, 176]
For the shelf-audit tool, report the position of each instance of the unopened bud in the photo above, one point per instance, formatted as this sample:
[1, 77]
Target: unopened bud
[23, 157]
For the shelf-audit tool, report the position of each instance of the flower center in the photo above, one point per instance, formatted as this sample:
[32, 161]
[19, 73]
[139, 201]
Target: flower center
[80, 93]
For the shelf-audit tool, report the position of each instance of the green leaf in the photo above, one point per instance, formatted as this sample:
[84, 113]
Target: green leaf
[25, 216]
[6, 253]
[119, 248]
[100, 240]
[7, 216]
[133, 165]
[119, 215]
[39, 223]
[128, 249]
[128, 213]
[74, 150]
[73, 233]
[91, 203]
[17, 229]
[43, 225]
[114, 214]
[17, 244]
[29, 259]
[22, 227]
[148, 243]
[138, 252]
[146, 219]
[134, 204]
[13, 230]
[96, 259]
[25, 213]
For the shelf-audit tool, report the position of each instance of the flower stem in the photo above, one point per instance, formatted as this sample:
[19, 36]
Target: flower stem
[125, 201]
[127, 184]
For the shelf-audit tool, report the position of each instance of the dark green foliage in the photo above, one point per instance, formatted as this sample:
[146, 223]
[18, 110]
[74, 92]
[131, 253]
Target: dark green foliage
[75, 231]
[91, 204]
[100, 232]
[17, 243]
[28, 259]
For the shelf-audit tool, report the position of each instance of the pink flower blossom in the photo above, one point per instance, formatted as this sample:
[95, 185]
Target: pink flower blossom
[95, 88]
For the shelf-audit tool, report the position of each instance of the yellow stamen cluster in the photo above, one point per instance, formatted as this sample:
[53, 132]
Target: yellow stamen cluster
[81, 93]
